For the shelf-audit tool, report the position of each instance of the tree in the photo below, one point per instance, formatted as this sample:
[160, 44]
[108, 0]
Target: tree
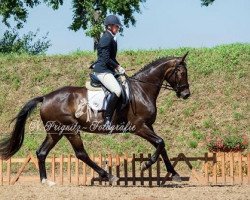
[11, 42]
[206, 2]
[87, 14]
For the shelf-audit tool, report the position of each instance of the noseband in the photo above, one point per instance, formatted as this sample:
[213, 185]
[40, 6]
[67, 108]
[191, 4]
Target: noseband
[178, 86]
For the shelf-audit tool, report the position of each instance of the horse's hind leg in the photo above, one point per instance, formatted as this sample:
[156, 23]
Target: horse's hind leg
[76, 142]
[49, 142]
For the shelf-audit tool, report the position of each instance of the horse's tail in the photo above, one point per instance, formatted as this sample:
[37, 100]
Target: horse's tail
[10, 145]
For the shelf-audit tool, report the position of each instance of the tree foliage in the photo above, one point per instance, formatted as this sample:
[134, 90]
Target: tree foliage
[11, 42]
[206, 2]
[16, 9]
[90, 14]
[84, 12]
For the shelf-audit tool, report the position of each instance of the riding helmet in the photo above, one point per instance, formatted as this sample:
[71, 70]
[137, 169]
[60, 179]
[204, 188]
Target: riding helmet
[112, 19]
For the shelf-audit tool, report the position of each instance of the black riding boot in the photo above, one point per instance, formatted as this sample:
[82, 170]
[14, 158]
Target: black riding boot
[111, 105]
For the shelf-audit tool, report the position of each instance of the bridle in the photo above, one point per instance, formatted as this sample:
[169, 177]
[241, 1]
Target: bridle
[165, 85]
[178, 85]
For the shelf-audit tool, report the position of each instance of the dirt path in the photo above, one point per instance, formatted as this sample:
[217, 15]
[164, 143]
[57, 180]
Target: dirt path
[183, 192]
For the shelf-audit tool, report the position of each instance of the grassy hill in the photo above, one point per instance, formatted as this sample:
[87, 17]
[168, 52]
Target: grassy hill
[219, 104]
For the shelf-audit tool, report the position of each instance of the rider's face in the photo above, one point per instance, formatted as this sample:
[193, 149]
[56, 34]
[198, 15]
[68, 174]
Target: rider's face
[114, 29]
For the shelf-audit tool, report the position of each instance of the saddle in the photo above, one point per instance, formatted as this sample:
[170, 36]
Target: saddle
[94, 81]
[95, 85]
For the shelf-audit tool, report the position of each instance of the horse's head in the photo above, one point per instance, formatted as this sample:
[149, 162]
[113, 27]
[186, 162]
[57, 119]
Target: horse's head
[177, 77]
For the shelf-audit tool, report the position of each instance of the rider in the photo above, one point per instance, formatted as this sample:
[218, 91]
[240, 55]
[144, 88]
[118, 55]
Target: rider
[106, 65]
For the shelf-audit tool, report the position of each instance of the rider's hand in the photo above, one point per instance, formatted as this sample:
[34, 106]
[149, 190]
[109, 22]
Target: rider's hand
[120, 70]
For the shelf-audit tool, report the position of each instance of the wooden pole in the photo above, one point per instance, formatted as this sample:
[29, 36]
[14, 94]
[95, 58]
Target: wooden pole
[77, 170]
[53, 176]
[92, 170]
[248, 168]
[223, 168]
[61, 169]
[232, 167]
[110, 165]
[142, 172]
[133, 169]
[1, 171]
[150, 172]
[118, 168]
[126, 169]
[240, 167]
[8, 170]
[34, 160]
[158, 171]
[84, 173]
[100, 163]
[206, 169]
[20, 170]
[69, 168]
[215, 168]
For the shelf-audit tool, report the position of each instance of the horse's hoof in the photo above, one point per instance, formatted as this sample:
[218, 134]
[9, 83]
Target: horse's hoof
[176, 178]
[113, 179]
[143, 166]
[48, 182]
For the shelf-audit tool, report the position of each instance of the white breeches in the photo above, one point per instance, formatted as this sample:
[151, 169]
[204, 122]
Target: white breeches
[110, 82]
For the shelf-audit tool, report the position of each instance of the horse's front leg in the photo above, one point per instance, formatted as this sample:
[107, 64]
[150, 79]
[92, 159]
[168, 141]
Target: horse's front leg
[169, 166]
[148, 133]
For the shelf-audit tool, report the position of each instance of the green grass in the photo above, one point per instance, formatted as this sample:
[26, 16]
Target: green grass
[219, 84]
[193, 144]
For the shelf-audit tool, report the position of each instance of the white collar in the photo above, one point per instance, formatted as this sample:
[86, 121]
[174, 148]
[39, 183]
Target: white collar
[114, 36]
[111, 33]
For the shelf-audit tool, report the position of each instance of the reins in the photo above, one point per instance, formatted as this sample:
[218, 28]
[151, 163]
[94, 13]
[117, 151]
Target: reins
[164, 86]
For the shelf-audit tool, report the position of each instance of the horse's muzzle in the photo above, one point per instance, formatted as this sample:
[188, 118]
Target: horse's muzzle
[185, 94]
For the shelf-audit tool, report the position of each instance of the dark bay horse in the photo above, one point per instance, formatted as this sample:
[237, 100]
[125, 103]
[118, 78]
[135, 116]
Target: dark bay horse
[58, 115]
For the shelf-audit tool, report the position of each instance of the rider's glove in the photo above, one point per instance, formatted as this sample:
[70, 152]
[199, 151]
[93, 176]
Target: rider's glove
[120, 70]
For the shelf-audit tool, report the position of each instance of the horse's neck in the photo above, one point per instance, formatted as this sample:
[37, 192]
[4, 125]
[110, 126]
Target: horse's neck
[153, 79]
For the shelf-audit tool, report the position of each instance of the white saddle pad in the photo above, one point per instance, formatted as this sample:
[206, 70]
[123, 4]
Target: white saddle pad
[96, 98]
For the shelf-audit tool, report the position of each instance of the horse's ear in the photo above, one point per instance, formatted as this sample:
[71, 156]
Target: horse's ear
[184, 57]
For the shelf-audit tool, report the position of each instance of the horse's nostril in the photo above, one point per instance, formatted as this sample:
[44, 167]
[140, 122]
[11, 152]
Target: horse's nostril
[186, 96]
